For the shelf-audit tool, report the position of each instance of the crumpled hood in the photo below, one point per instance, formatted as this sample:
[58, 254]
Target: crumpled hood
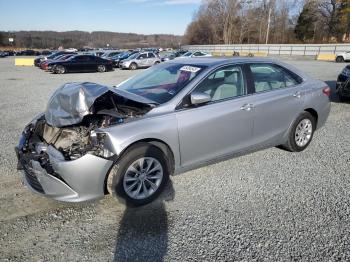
[71, 102]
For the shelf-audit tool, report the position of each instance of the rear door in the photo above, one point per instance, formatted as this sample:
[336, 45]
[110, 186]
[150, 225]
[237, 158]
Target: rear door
[278, 100]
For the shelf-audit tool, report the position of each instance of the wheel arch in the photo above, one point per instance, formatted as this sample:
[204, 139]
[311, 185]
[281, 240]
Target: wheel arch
[163, 146]
[313, 112]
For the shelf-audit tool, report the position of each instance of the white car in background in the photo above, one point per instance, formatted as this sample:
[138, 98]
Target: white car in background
[194, 54]
[71, 50]
[342, 57]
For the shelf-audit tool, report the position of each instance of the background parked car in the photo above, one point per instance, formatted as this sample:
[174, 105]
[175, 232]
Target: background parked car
[140, 60]
[40, 59]
[342, 57]
[27, 52]
[47, 52]
[48, 64]
[180, 52]
[110, 54]
[343, 84]
[3, 54]
[194, 54]
[82, 63]
[166, 56]
[121, 57]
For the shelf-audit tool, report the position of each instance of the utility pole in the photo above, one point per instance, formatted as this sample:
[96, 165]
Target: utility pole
[268, 26]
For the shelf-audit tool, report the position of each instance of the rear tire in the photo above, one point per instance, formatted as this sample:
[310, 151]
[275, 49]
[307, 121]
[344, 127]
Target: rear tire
[340, 59]
[301, 133]
[133, 66]
[148, 184]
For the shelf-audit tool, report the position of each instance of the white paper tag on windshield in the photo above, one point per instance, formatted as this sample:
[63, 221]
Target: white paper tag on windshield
[191, 69]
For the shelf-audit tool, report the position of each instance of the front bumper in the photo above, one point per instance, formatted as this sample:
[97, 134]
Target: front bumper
[69, 181]
[123, 65]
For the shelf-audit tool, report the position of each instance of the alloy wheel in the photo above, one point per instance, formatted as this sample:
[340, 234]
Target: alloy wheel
[143, 178]
[303, 132]
[101, 68]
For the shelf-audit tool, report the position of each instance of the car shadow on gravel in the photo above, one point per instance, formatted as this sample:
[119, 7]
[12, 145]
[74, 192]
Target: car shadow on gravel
[143, 231]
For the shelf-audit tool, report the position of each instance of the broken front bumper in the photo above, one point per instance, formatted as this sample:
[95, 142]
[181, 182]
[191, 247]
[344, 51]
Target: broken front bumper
[70, 181]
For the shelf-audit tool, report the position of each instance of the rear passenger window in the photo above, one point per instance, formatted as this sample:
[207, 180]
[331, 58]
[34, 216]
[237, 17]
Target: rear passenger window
[151, 55]
[270, 77]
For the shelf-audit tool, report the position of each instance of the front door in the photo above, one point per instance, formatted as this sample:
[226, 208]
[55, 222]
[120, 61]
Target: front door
[142, 60]
[220, 127]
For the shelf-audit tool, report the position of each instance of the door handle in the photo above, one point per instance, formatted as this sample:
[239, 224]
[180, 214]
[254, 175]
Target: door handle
[297, 94]
[247, 107]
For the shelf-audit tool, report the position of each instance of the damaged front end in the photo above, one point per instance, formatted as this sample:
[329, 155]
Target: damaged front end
[62, 154]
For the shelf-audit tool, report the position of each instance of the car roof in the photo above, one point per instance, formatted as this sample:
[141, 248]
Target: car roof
[214, 61]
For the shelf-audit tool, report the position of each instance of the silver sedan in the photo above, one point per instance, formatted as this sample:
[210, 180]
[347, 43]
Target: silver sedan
[174, 117]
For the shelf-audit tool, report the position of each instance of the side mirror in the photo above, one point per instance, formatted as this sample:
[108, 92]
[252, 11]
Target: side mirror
[198, 98]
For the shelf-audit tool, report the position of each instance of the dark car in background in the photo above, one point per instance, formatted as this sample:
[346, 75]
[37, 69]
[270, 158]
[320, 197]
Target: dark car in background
[167, 56]
[180, 53]
[27, 52]
[82, 63]
[109, 54]
[40, 59]
[47, 52]
[343, 84]
[47, 65]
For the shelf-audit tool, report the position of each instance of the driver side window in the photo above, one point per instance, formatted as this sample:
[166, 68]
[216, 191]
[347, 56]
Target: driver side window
[224, 83]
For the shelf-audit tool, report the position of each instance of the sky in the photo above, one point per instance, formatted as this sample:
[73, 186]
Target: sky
[127, 16]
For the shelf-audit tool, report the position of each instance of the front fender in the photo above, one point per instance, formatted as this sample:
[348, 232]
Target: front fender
[162, 128]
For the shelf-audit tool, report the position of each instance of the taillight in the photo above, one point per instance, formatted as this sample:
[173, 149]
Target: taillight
[327, 91]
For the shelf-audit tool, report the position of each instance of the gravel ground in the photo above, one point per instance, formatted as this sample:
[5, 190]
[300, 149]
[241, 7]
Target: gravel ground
[270, 205]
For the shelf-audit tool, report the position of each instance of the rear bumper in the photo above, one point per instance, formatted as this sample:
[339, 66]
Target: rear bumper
[69, 181]
[323, 114]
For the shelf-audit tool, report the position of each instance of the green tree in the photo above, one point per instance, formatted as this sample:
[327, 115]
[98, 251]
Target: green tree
[343, 27]
[305, 27]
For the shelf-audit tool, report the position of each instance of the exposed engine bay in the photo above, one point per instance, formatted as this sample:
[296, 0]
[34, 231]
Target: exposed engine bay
[72, 116]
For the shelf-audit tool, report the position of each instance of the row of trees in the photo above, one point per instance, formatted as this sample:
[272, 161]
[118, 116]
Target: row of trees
[79, 39]
[269, 21]
[324, 21]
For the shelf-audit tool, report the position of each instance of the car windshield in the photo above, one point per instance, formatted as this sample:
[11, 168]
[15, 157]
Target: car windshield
[123, 55]
[161, 83]
[133, 56]
[187, 54]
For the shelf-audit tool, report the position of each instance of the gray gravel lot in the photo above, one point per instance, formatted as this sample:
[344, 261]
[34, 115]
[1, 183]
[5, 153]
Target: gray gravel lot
[270, 205]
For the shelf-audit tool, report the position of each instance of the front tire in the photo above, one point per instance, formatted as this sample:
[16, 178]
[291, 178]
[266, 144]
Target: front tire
[339, 59]
[301, 133]
[140, 175]
[60, 69]
[101, 68]
[133, 66]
